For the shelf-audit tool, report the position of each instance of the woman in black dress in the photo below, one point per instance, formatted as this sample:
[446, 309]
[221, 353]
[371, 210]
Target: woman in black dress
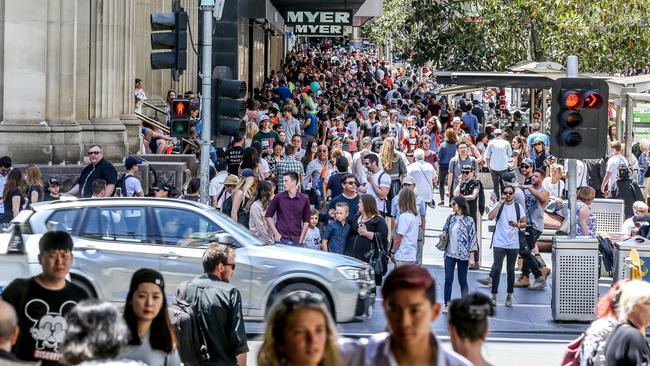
[13, 195]
[368, 226]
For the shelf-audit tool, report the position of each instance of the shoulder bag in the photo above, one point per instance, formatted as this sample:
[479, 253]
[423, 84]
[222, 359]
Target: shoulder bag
[444, 238]
[521, 234]
[378, 258]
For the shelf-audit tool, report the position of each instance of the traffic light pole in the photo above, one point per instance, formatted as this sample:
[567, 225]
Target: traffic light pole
[572, 179]
[207, 7]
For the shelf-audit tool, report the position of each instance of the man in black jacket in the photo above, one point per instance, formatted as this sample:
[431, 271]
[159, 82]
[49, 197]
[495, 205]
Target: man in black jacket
[99, 168]
[221, 307]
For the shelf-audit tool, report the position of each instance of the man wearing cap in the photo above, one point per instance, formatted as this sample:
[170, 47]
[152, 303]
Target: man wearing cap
[131, 185]
[266, 136]
[497, 155]
[410, 182]
[99, 168]
[52, 193]
[456, 124]
[162, 190]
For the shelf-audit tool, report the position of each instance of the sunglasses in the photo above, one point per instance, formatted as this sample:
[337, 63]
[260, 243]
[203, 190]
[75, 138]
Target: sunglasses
[299, 298]
[94, 152]
[350, 183]
[469, 172]
[231, 264]
[509, 193]
[524, 166]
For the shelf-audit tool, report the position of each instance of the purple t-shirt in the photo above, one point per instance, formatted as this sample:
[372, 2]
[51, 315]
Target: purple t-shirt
[291, 214]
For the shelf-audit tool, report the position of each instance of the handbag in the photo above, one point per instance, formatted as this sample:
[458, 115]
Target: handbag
[444, 238]
[378, 258]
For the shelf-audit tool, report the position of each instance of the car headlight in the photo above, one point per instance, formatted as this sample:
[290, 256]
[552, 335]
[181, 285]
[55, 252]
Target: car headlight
[354, 273]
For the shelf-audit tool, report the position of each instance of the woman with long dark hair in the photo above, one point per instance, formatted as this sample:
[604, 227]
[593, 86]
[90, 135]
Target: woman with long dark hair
[251, 160]
[13, 195]
[256, 222]
[310, 154]
[461, 239]
[151, 338]
[368, 227]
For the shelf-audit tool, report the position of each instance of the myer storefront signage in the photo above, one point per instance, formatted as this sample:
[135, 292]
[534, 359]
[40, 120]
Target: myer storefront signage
[321, 23]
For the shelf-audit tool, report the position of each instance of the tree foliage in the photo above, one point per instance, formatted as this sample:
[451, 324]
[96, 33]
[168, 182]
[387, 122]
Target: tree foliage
[606, 35]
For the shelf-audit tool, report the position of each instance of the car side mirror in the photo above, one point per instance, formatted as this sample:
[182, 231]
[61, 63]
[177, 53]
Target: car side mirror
[225, 239]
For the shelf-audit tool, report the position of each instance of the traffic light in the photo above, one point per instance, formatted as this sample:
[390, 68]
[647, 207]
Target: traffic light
[579, 118]
[180, 118]
[169, 33]
[228, 108]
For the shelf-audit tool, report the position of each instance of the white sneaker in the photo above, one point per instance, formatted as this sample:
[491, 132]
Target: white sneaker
[539, 284]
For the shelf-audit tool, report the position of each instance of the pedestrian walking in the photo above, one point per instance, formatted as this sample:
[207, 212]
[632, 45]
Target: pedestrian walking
[5, 168]
[292, 210]
[409, 339]
[378, 182]
[395, 166]
[220, 307]
[35, 190]
[497, 156]
[409, 182]
[13, 196]
[94, 335]
[131, 186]
[48, 290]
[52, 190]
[446, 153]
[510, 219]
[471, 189]
[468, 326]
[257, 222]
[404, 248]
[337, 232]
[300, 331]
[368, 228]
[151, 338]
[461, 236]
[243, 196]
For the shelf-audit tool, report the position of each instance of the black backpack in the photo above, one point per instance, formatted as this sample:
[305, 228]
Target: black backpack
[192, 346]
[121, 183]
[226, 207]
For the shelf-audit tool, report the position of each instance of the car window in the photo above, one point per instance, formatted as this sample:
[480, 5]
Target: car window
[115, 223]
[183, 227]
[62, 220]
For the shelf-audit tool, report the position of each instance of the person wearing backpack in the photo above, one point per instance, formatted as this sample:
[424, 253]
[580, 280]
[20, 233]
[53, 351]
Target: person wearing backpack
[130, 184]
[510, 221]
[151, 337]
[217, 306]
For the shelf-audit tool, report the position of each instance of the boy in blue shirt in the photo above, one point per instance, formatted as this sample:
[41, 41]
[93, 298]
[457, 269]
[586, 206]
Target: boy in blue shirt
[337, 231]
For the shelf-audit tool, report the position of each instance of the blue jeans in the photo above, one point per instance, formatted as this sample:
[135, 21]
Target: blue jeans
[450, 264]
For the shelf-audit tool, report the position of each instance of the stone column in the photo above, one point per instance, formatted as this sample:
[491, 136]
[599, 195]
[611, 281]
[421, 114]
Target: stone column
[128, 118]
[107, 68]
[23, 133]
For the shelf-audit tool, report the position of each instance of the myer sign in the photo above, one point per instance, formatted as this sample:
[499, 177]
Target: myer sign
[327, 22]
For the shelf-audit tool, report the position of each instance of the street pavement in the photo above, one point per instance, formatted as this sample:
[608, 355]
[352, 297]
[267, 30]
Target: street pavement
[525, 332]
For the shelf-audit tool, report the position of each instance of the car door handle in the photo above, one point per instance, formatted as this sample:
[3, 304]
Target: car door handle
[171, 255]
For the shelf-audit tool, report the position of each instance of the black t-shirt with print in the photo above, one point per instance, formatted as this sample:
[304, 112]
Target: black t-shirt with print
[41, 319]
[233, 157]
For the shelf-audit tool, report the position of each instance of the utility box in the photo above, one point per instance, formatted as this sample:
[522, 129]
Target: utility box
[575, 279]
[622, 251]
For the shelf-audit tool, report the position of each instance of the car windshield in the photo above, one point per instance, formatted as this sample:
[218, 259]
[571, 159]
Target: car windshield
[238, 232]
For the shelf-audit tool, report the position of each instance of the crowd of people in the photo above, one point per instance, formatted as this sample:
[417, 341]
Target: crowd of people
[50, 320]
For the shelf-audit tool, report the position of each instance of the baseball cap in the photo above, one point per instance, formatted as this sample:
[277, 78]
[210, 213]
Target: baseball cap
[467, 168]
[131, 161]
[538, 141]
[456, 119]
[146, 275]
[408, 180]
[53, 182]
[164, 186]
[527, 162]
[263, 117]
[497, 132]
[231, 180]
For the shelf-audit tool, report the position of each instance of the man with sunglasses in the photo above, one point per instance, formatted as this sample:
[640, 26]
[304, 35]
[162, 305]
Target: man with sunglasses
[99, 168]
[540, 154]
[220, 306]
[349, 196]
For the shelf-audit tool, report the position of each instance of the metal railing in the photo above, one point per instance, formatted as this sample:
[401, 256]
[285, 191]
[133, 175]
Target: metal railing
[161, 126]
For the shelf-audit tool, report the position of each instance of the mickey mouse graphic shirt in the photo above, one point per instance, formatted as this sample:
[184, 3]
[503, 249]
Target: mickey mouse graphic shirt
[41, 318]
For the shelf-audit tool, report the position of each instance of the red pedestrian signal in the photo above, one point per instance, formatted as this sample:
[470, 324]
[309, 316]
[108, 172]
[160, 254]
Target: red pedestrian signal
[181, 107]
[180, 118]
[571, 99]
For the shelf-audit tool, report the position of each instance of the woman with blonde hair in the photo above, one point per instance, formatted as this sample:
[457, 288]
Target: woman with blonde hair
[257, 224]
[586, 220]
[300, 331]
[394, 165]
[242, 197]
[35, 191]
[627, 344]
[473, 151]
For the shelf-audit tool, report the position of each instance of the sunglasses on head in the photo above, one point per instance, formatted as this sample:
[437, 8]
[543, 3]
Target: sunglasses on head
[302, 298]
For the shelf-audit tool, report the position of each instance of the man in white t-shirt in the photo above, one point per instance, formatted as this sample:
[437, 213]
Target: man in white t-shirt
[378, 182]
[639, 208]
[505, 241]
[425, 176]
[497, 156]
[132, 185]
[615, 160]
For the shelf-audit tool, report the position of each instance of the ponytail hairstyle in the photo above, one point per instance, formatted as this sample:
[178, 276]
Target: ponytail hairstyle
[469, 316]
